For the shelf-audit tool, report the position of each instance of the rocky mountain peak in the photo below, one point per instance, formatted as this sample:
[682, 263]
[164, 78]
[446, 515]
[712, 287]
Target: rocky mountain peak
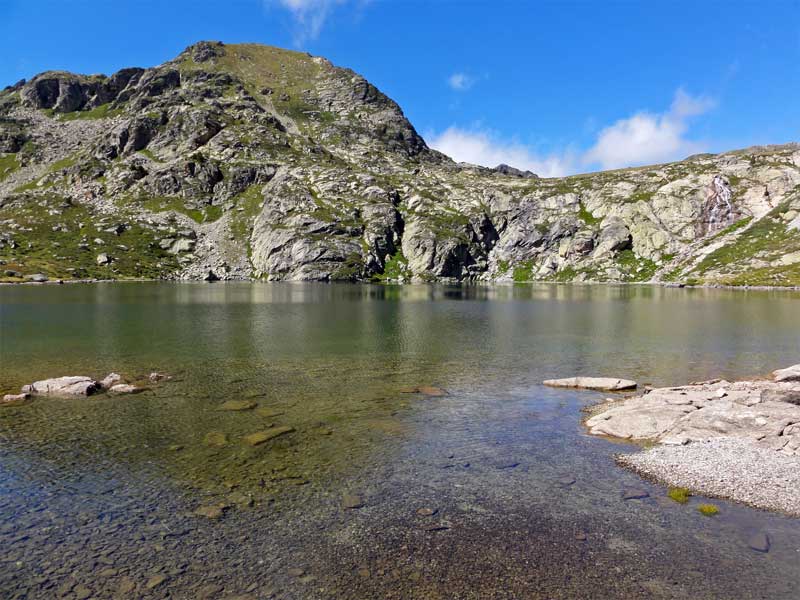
[243, 160]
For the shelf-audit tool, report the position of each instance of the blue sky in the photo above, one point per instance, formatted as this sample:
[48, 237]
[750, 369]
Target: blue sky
[557, 87]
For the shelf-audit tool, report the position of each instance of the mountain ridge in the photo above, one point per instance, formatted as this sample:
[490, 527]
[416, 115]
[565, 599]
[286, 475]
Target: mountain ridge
[247, 161]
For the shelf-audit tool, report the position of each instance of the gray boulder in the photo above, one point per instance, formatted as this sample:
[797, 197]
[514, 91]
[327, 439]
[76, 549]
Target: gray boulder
[75, 385]
[606, 384]
[788, 374]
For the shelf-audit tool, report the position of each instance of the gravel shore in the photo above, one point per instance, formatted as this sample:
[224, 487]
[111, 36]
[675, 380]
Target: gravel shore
[733, 469]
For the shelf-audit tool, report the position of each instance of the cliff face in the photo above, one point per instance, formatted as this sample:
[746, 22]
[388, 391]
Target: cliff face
[251, 161]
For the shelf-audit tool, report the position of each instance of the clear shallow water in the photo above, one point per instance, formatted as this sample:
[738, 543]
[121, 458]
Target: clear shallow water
[96, 494]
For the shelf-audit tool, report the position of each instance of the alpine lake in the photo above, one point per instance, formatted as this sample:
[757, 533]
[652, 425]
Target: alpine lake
[420, 456]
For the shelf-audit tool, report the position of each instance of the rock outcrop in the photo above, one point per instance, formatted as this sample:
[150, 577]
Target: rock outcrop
[737, 440]
[240, 161]
[764, 412]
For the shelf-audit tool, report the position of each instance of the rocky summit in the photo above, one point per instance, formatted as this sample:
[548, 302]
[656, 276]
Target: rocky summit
[247, 161]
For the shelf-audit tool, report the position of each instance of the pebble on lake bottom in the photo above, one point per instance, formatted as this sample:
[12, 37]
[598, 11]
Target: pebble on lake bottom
[238, 405]
[155, 581]
[759, 542]
[634, 494]
[352, 501]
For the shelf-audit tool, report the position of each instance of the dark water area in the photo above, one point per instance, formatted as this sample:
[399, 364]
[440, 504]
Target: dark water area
[97, 494]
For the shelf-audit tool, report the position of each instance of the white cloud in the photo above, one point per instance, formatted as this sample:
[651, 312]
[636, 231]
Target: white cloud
[460, 82]
[647, 138]
[481, 147]
[644, 138]
[309, 15]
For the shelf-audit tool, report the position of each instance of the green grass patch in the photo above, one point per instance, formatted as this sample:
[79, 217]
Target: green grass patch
[69, 251]
[523, 272]
[729, 229]
[502, 267]
[768, 239]
[633, 267]
[104, 111]
[566, 274]
[639, 196]
[587, 217]
[8, 164]
[146, 152]
[248, 205]
[64, 163]
[206, 214]
[396, 268]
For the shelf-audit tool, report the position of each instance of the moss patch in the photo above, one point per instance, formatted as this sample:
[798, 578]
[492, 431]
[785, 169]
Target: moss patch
[679, 494]
[709, 510]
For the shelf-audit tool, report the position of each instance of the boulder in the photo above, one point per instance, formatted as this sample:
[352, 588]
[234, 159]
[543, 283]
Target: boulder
[110, 380]
[75, 385]
[788, 374]
[605, 384]
[182, 245]
[103, 259]
[37, 278]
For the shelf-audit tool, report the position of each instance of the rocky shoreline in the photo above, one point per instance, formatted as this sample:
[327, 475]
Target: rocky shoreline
[733, 440]
[709, 286]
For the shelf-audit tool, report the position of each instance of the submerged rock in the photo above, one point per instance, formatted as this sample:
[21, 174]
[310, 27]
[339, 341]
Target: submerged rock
[238, 405]
[352, 501]
[605, 384]
[75, 385]
[259, 437]
[215, 439]
[213, 511]
[15, 399]
[124, 388]
[110, 380]
[429, 390]
[759, 542]
[635, 494]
